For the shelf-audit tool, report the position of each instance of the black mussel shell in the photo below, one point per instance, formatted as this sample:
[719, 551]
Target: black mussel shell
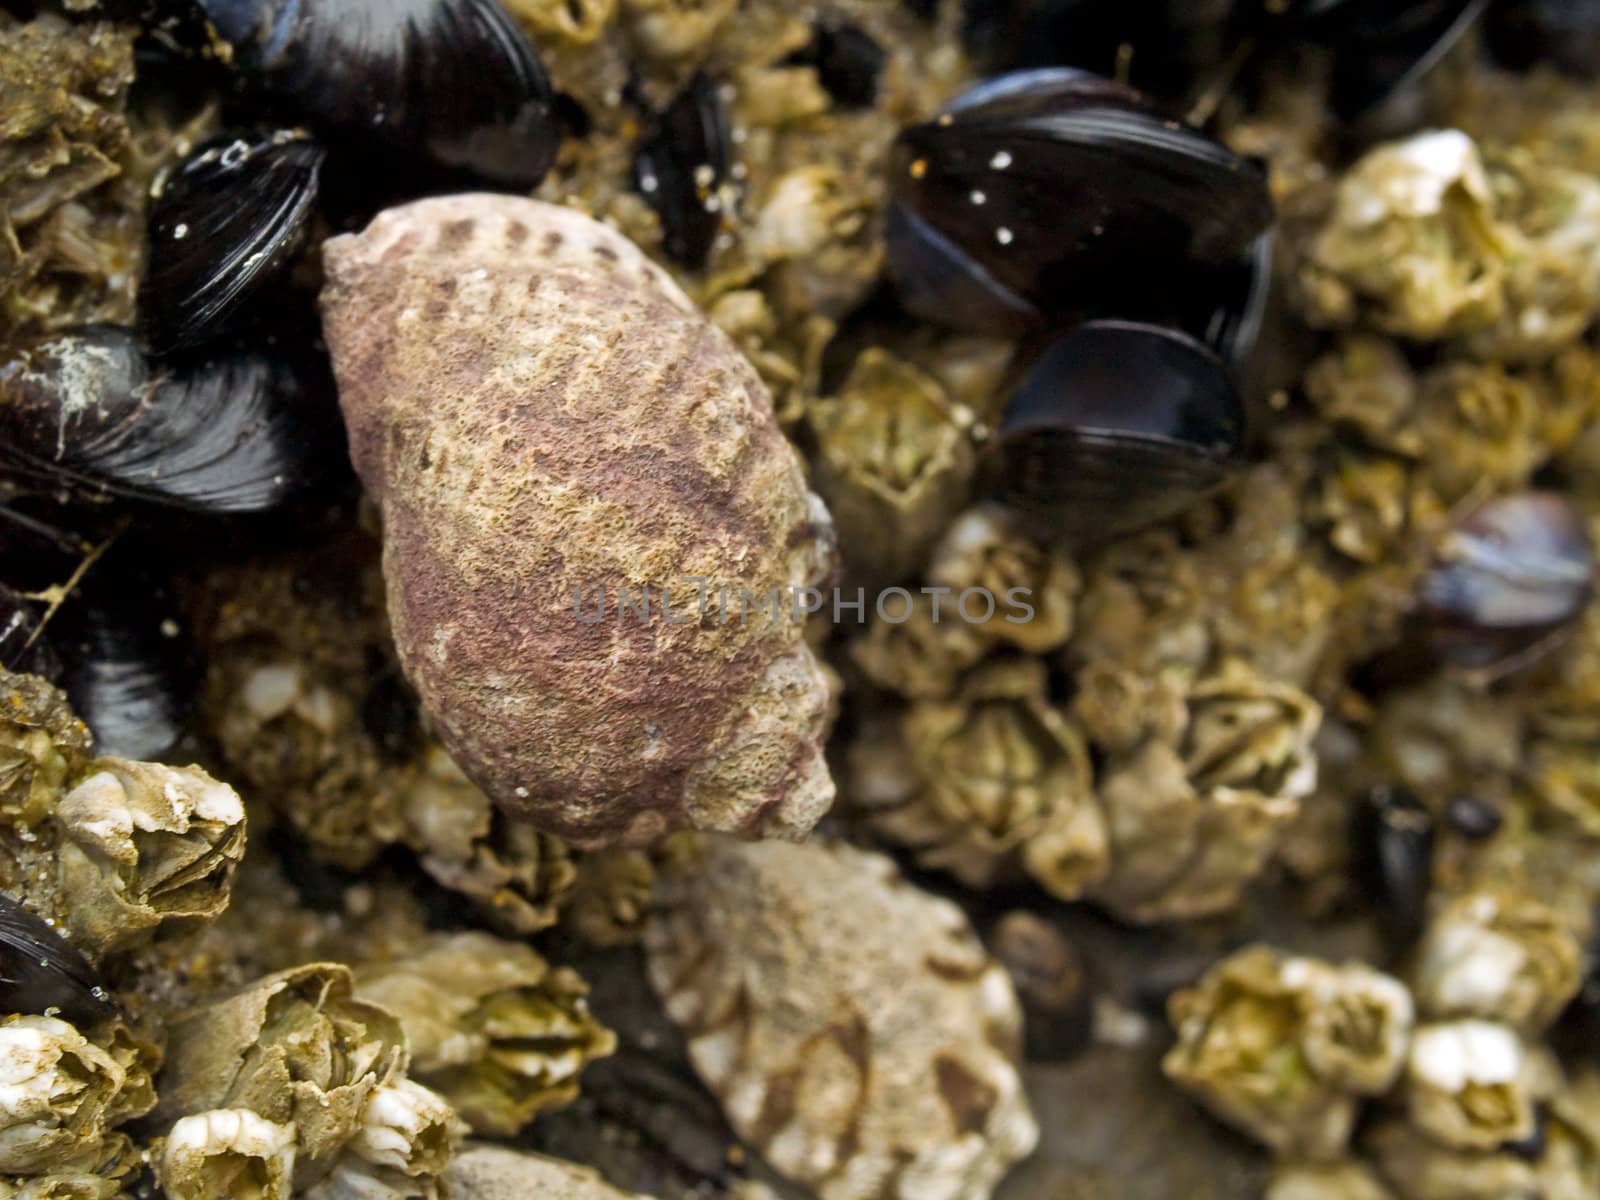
[1232, 302]
[1392, 842]
[224, 223]
[680, 165]
[1071, 195]
[451, 82]
[41, 972]
[24, 647]
[935, 276]
[227, 432]
[847, 61]
[1508, 578]
[1564, 33]
[130, 668]
[1117, 426]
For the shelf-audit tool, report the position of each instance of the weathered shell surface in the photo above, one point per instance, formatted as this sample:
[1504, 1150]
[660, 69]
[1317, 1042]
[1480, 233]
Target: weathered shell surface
[854, 1028]
[542, 414]
[487, 1172]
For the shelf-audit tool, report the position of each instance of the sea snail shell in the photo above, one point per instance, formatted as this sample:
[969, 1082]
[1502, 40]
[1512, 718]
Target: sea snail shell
[544, 418]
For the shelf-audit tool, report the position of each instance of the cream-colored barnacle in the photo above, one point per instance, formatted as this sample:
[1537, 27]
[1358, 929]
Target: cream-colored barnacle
[559, 427]
[854, 1029]
[57, 1089]
[490, 1024]
[1501, 955]
[1283, 1047]
[1033, 585]
[295, 1048]
[894, 459]
[145, 843]
[227, 1154]
[1001, 777]
[1476, 1085]
[1413, 242]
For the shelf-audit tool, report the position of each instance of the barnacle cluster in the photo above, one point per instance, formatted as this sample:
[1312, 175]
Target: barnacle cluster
[916, 600]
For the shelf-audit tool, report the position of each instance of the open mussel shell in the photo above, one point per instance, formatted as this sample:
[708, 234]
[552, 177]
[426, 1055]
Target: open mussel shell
[42, 972]
[1506, 581]
[679, 166]
[1064, 193]
[1117, 426]
[1563, 33]
[223, 224]
[232, 431]
[450, 82]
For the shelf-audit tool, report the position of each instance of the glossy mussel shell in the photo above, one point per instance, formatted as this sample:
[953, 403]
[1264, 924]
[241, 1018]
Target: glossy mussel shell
[1507, 578]
[88, 414]
[1118, 425]
[451, 82]
[1048, 194]
[224, 223]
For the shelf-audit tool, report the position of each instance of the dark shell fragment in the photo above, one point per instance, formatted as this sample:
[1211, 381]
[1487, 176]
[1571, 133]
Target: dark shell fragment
[1118, 425]
[451, 82]
[230, 432]
[223, 224]
[42, 972]
[1063, 195]
[679, 167]
[1506, 581]
[1392, 839]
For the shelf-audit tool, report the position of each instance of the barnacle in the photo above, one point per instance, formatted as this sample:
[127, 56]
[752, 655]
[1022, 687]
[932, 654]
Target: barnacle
[853, 1027]
[983, 549]
[1564, 1159]
[108, 848]
[1284, 1047]
[297, 1049]
[69, 234]
[1498, 955]
[916, 646]
[142, 844]
[490, 1025]
[518, 876]
[1412, 241]
[227, 1152]
[1000, 776]
[1192, 818]
[1475, 1085]
[894, 456]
